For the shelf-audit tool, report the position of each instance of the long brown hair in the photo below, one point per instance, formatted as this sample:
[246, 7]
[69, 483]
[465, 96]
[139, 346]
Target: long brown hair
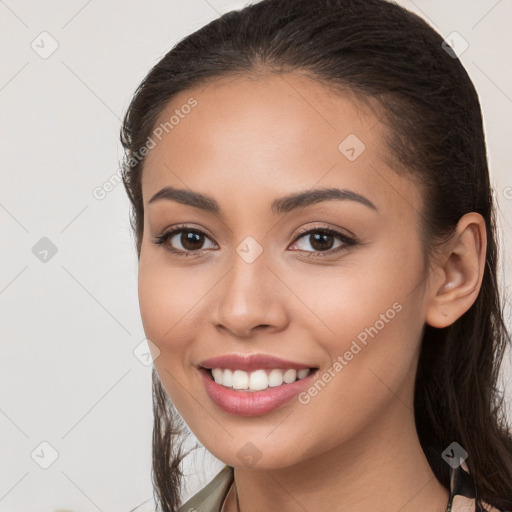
[386, 54]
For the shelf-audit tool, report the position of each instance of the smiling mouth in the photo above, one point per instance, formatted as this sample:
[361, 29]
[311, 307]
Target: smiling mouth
[256, 380]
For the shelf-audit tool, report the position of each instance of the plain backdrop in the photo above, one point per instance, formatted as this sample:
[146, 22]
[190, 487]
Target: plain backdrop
[75, 385]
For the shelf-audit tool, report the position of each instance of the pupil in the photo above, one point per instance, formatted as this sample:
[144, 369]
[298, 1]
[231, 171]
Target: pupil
[319, 237]
[188, 238]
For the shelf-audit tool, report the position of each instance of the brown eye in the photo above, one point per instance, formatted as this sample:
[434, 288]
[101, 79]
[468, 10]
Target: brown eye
[183, 241]
[322, 240]
[190, 240]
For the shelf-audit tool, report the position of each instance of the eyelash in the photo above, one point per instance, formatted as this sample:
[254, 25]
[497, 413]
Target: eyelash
[348, 241]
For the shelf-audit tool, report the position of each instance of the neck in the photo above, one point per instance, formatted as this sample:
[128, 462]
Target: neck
[383, 467]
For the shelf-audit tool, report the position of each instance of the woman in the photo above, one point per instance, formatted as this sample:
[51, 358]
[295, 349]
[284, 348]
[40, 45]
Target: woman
[317, 264]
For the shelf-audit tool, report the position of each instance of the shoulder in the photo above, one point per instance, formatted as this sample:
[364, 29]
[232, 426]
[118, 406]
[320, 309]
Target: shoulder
[463, 491]
[211, 497]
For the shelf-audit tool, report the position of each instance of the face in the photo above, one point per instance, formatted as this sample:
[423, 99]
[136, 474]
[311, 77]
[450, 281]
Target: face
[330, 283]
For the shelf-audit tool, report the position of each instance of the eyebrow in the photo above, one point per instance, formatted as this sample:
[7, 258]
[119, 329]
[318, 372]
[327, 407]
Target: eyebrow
[281, 205]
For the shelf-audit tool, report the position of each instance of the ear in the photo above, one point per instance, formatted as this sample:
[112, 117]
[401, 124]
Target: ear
[458, 273]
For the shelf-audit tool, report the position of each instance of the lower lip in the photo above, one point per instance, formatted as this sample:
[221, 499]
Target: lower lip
[252, 403]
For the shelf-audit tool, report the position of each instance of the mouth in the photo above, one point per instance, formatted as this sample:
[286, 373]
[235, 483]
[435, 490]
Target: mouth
[254, 393]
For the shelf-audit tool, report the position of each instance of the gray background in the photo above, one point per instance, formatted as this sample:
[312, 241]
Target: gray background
[70, 324]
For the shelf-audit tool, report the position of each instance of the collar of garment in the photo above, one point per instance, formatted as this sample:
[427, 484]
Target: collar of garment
[211, 497]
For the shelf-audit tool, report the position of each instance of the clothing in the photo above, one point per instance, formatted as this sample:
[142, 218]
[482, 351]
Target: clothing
[211, 497]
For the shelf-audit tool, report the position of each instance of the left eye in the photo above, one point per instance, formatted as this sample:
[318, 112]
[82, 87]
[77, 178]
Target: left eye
[322, 240]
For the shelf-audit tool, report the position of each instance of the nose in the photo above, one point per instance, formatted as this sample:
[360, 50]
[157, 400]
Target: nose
[250, 298]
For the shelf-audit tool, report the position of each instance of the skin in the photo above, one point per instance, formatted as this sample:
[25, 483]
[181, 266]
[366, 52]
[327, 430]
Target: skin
[354, 446]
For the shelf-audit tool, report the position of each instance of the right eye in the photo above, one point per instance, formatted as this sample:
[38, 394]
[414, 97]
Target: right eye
[191, 240]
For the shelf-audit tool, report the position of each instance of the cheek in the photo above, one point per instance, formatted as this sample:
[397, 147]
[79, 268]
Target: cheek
[367, 288]
[372, 357]
[369, 314]
[168, 297]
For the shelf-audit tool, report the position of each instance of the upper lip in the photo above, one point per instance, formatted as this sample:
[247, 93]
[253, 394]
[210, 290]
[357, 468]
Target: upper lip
[251, 362]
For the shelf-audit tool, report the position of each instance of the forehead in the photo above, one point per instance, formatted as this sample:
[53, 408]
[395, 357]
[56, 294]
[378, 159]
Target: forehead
[280, 131]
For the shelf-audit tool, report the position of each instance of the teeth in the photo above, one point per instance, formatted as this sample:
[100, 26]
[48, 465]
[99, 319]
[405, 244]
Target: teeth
[289, 376]
[218, 375]
[240, 380]
[302, 373]
[275, 378]
[256, 380]
[227, 377]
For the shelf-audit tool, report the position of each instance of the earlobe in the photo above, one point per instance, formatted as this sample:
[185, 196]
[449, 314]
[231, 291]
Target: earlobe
[459, 272]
